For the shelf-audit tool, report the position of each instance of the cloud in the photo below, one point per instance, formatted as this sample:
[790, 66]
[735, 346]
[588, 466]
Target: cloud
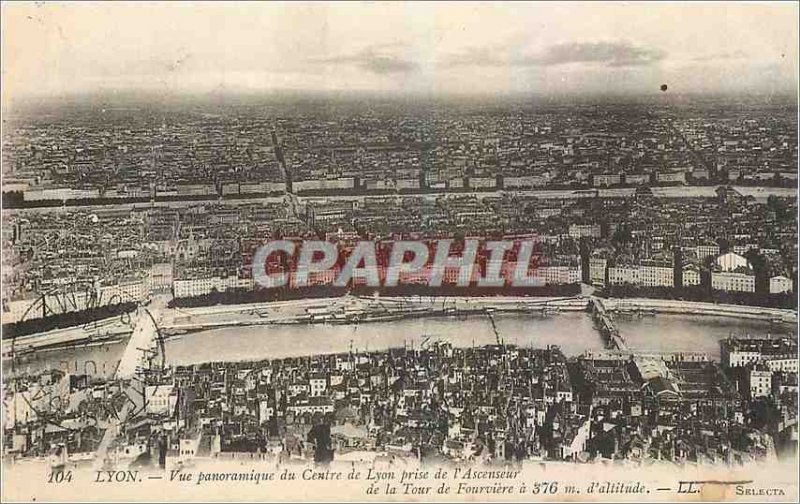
[372, 61]
[473, 57]
[612, 54]
[609, 54]
[383, 65]
[721, 56]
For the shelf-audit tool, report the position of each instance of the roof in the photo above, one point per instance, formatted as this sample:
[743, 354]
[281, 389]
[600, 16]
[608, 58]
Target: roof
[663, 386]
[350, 431]
[732, 261]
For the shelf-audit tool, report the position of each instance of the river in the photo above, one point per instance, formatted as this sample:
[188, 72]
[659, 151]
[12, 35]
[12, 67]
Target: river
[574, 332]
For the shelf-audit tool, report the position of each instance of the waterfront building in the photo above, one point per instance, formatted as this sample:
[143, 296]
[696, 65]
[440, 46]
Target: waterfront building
[691, 275]
[676, 177]
[656, 273]
[733, 273]
[623, 274]
[160, 277]
[607, 179]
[780, 284]
[597, 269]
[739, 352]
[733, 281]
[201, 286]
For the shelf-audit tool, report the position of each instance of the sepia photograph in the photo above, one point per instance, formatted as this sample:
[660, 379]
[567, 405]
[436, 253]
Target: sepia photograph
[399, 251]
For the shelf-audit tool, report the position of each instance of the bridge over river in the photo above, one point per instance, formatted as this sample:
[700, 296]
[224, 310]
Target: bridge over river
[606, 325]
[134, 365]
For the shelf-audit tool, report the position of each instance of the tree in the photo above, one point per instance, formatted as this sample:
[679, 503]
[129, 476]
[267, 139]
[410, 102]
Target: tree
[763, 414]
[320, 435]
[776, 205]
[622, 235]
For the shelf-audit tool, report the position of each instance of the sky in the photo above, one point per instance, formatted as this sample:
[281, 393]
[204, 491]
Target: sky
[55, 49]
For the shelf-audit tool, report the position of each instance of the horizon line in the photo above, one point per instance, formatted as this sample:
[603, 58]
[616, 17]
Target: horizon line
[151, 95]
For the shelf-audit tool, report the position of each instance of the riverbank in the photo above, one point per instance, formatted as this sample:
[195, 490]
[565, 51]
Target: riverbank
[663, 306]
[15, 201]
[351, 310]
[354, 309]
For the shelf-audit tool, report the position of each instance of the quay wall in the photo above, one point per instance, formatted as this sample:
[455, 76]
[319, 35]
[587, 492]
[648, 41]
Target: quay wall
[669, 306]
